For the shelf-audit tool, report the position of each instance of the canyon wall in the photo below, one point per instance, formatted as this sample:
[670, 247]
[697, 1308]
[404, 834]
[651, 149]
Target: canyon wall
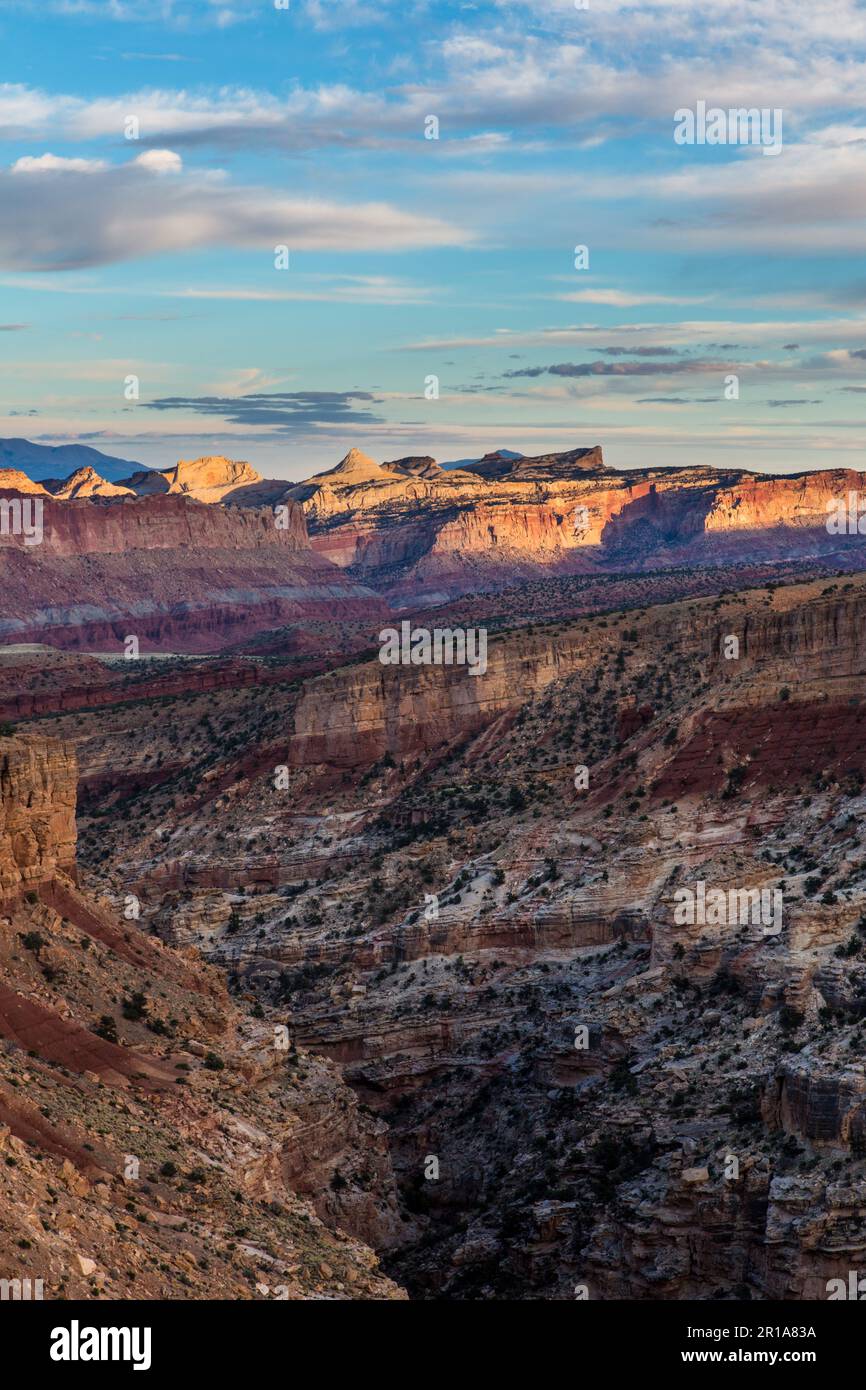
[38, 780]
[196, 561]
[425, 538]
[813, 635]
[358, 714]
[440, 923]
[131, 1082]
[97, 526]
[177, 574]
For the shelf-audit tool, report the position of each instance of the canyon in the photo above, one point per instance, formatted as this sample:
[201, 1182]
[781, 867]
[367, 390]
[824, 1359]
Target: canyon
[377, 970]
[209, 554]
[427, 903]
[156, 1142]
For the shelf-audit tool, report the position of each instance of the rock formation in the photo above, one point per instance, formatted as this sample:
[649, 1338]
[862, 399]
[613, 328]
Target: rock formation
[86, 482]
[423, 534]
[37, 811]
[156, 1141]
[211, 479]
[44, 461]
[13, 481]
[440, 911]
[178, 574]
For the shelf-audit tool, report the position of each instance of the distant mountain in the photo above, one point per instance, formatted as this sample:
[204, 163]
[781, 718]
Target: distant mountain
[85, 482]
[40, 461]
[497, 454]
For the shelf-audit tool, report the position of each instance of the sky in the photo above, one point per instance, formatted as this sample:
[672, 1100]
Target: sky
[225, 228]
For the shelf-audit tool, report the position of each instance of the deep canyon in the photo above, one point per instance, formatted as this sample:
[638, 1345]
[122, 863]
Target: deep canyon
[326, 978]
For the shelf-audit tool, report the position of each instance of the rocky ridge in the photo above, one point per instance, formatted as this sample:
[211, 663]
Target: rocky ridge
[426, 535]
[175, 573]
[158, 1140]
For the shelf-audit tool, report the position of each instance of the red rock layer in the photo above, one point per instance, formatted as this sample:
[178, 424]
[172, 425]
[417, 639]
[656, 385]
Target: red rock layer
[173, 572]
[427, 537]
[771, 744]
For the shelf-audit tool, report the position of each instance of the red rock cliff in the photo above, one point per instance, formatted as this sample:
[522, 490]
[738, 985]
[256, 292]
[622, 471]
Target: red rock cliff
[96, 526]
[176, 573]
[437, 533]
[38, 779]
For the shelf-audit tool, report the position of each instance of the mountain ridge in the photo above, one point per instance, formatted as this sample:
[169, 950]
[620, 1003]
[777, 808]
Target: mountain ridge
[41, 461]
[426, 535]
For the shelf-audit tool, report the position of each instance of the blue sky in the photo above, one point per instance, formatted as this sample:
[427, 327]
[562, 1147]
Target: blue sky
[409, 257]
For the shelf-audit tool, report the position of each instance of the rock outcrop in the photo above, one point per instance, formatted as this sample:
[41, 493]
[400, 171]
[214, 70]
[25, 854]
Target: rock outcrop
[424, 534]
[177, 574]
[98, 526]
[213, 478]
[13, 481]
[355, 716]
[86, 482]
[37, 811]
[155, 1140]
[46, 461]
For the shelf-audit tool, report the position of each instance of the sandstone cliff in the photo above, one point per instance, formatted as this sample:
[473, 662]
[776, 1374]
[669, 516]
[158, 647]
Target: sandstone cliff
[86, 482]
[424, 534]
[213, 478]
[37, 811]
[154, 1142]
[176, 573]
[98, 526]
[13, 481]
[359, 714]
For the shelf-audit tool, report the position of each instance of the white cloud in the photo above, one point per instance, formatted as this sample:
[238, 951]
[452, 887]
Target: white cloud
[622, 299]
[684, 333]
[159, 161]
[71, 222]
[54, 164]
[345, 289]
[472, 48]
[513, 82]
[181, 12]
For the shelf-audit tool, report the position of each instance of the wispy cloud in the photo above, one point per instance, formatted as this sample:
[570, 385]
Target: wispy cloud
[59, 219]
[346, 289]
[626, 299]
[622, 369]
[289, 411]
[684, 332]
